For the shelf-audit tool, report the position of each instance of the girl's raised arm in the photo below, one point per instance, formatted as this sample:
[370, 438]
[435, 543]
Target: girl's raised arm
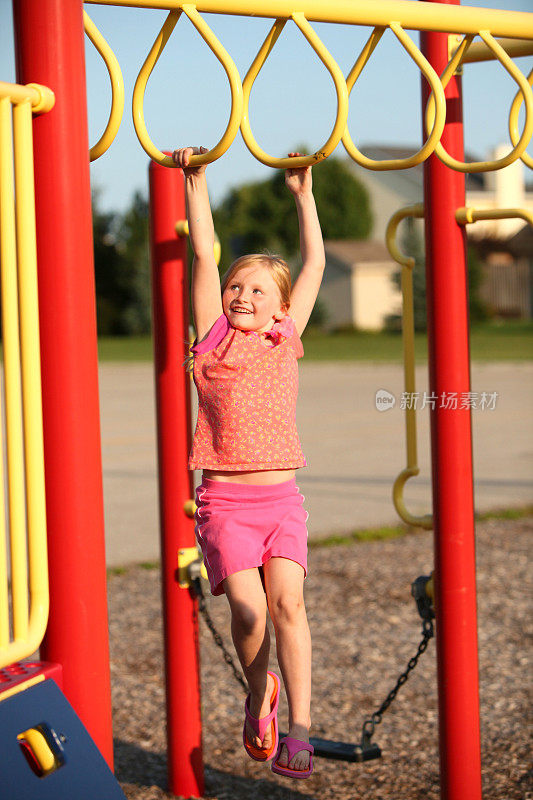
[305, 289]
[205, 289]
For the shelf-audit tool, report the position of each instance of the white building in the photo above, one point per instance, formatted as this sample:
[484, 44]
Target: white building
[357, 289]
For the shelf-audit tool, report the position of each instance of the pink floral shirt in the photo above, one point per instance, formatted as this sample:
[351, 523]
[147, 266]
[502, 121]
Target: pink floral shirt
[247, 386]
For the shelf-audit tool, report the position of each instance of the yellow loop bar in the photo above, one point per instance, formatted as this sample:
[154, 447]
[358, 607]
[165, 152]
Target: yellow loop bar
[408, 335]
[231, 71]
[340, 87]
[433, 79]
[41, 97]
[525, 90]
[513, 121]
[117, 89]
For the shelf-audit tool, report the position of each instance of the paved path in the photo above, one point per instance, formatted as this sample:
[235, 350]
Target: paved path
[354, 452]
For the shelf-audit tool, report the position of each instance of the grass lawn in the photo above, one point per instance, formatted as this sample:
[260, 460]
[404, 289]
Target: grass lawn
[493, 341]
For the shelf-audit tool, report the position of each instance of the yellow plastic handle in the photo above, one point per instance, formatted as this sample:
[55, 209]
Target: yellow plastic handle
[437, 92]
[513, 121]
[117, 89]
[525, 91]
[340, 87]
[40, 748]
[146, 70]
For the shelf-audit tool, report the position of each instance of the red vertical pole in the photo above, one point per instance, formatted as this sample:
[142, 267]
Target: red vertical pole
[171, 335]
[451, 445]
[50, 50]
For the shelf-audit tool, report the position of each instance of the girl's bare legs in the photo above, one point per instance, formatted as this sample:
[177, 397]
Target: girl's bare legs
[251, 638]
[284, 587]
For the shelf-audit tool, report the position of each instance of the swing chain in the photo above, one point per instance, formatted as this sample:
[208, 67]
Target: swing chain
[425, 609]
[196, 583]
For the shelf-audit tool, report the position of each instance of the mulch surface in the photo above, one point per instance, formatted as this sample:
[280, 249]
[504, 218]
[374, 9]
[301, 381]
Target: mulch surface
[365, 628]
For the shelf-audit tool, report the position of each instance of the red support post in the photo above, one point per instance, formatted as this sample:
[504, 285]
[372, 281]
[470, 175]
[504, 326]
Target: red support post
[49, 41]
[170, 298]
[451, 446]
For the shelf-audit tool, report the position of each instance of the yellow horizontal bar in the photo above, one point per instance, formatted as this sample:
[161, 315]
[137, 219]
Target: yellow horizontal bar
[407, 13]
[515, 48]
[41, 97]
[465, 216]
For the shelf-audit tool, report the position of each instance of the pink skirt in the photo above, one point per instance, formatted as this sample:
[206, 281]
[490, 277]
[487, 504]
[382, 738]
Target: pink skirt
[240, 526]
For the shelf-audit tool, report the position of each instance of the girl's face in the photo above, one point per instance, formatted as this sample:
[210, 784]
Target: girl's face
[251, 300]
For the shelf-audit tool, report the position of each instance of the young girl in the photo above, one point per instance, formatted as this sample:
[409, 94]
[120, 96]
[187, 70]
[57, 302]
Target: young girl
[250, 521]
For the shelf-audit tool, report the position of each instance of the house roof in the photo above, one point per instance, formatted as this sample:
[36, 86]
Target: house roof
[521, 244]
[354, 251]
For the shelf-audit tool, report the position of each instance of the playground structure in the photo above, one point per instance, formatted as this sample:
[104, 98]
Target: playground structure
[57, 240]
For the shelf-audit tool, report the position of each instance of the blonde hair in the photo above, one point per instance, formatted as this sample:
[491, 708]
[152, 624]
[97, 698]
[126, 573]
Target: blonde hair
[277, 267]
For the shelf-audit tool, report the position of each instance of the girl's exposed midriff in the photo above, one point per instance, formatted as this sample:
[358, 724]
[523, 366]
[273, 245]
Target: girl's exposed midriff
[256, 478]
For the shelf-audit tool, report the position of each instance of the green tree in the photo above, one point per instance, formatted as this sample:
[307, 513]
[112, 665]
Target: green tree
[122, 269]
[107, 266]
[262, 215]
[133, 244]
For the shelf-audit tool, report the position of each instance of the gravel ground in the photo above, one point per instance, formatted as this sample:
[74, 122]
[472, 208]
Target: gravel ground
[365, 628]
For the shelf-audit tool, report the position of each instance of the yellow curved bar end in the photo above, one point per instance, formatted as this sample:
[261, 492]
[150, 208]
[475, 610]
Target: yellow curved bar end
[425, 521]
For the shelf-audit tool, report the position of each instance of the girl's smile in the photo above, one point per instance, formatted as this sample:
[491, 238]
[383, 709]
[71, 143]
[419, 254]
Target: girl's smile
[252, 301]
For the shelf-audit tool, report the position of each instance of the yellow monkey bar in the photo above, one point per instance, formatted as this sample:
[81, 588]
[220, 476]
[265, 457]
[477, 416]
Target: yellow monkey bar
[22, 635]
[396, 15]
[463, 216]
[408, 335]
[524, 93]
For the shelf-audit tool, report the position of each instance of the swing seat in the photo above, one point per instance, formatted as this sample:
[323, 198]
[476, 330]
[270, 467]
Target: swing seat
[343, 751]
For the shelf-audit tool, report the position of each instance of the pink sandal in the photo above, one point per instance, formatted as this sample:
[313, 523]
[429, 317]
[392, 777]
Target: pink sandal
[293, 746]
[260, 726]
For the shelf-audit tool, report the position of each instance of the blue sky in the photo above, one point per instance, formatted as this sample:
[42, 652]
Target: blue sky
[293, 99]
